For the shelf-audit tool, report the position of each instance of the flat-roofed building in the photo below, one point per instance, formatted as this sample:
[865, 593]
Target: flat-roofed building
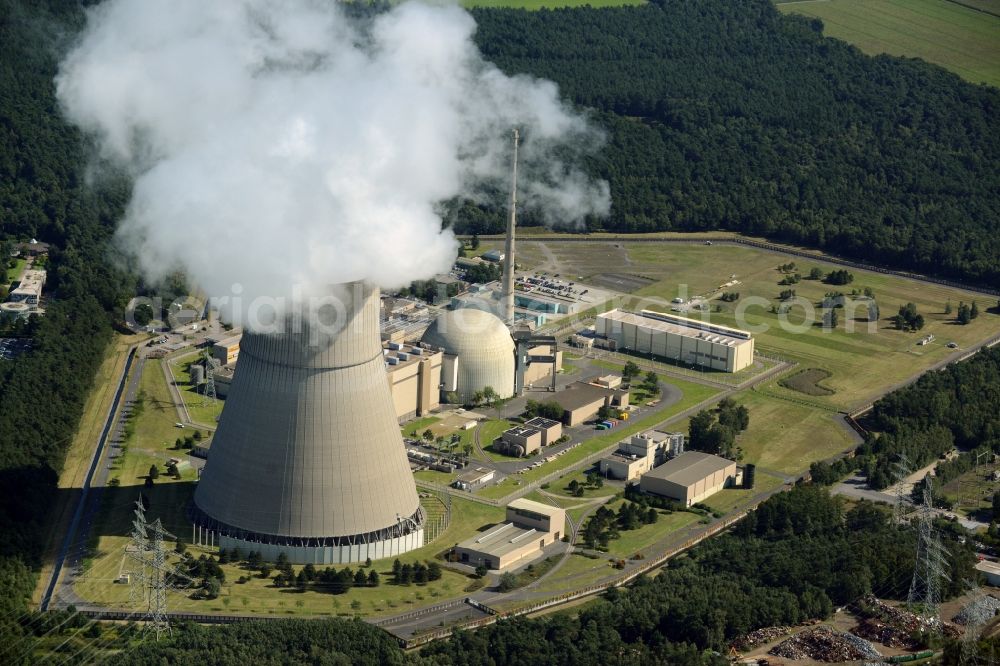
[29, 290]
[227, 350]
[582, 400]
[678, 338]
[520, 441]
[474, 478]
[414, 374]
[689, 478]
[551, 430]
[530, 527]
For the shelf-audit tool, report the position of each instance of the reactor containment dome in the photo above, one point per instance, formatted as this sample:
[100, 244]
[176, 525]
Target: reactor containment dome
[308, 459]
[483, 347]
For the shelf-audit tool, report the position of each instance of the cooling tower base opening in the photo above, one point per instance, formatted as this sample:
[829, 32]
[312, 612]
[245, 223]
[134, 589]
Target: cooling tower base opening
[406, 535]
[328, 555]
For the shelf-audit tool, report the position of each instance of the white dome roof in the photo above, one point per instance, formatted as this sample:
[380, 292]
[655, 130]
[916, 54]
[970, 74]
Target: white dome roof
[484, 347]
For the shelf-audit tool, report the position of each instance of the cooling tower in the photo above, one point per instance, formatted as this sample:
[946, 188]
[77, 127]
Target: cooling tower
[308, 459]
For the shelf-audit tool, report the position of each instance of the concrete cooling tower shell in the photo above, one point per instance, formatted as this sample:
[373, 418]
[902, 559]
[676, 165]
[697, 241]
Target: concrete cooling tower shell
[484, 347]
[308, 459]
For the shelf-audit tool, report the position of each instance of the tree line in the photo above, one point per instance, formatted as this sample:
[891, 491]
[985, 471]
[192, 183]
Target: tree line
[729, 115]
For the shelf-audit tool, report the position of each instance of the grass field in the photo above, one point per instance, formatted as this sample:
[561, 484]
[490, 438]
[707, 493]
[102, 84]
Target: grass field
[960, 36]
[786, 437]
[863, 360]
[206, 414]
[632, 541]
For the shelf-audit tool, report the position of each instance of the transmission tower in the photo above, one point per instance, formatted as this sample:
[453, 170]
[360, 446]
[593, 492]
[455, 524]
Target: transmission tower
[136, 553]
[977, 614]
[208, 396]
[901, 470]
[158, 622]
[929, 566]
[149, 570]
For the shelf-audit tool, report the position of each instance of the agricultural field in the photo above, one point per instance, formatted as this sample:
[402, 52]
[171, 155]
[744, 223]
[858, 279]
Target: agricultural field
[961, 35]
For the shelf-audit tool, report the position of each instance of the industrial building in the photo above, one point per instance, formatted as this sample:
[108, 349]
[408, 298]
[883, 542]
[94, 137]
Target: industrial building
[29, 289]
[519, 441]
[581, 401]
[226, 350]
[689, 478]
[677, 338]
[414, 374]
[478, 352]
[308, 460]
[640, 453]
[550, 430]
[474, 478]
[530, 527]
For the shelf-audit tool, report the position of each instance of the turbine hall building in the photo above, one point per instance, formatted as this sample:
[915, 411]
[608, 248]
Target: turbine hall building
[678, 338]
[308, 459]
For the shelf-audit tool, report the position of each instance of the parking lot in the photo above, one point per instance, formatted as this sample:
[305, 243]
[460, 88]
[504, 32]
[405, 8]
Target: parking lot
[10, 348]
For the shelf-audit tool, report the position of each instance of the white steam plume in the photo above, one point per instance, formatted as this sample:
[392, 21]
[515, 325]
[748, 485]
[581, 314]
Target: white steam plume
[276, 143]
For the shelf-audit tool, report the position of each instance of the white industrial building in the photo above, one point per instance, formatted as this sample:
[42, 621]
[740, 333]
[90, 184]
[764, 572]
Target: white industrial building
[677, 338]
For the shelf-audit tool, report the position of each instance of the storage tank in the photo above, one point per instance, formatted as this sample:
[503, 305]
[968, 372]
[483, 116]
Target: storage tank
[197, 373]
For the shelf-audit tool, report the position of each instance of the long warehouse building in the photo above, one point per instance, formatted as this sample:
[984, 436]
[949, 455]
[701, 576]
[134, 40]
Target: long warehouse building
[677, 338]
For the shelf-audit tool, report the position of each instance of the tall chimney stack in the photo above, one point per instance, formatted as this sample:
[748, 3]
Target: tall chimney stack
[508, 267]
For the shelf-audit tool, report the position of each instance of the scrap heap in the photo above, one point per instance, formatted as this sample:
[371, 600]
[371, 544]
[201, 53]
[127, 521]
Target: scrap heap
[980, 611]
[826, 645]
[892, 626]
[759, 637]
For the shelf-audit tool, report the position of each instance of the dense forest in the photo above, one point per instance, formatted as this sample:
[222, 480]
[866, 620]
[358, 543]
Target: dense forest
[42, 195]
[729, 115]
[800, 555]
[954, 407]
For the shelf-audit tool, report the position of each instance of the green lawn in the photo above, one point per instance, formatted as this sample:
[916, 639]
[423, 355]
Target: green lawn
[201, 410]
[727, 499]
[943, 32]
[787, 437]
[632, 541]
